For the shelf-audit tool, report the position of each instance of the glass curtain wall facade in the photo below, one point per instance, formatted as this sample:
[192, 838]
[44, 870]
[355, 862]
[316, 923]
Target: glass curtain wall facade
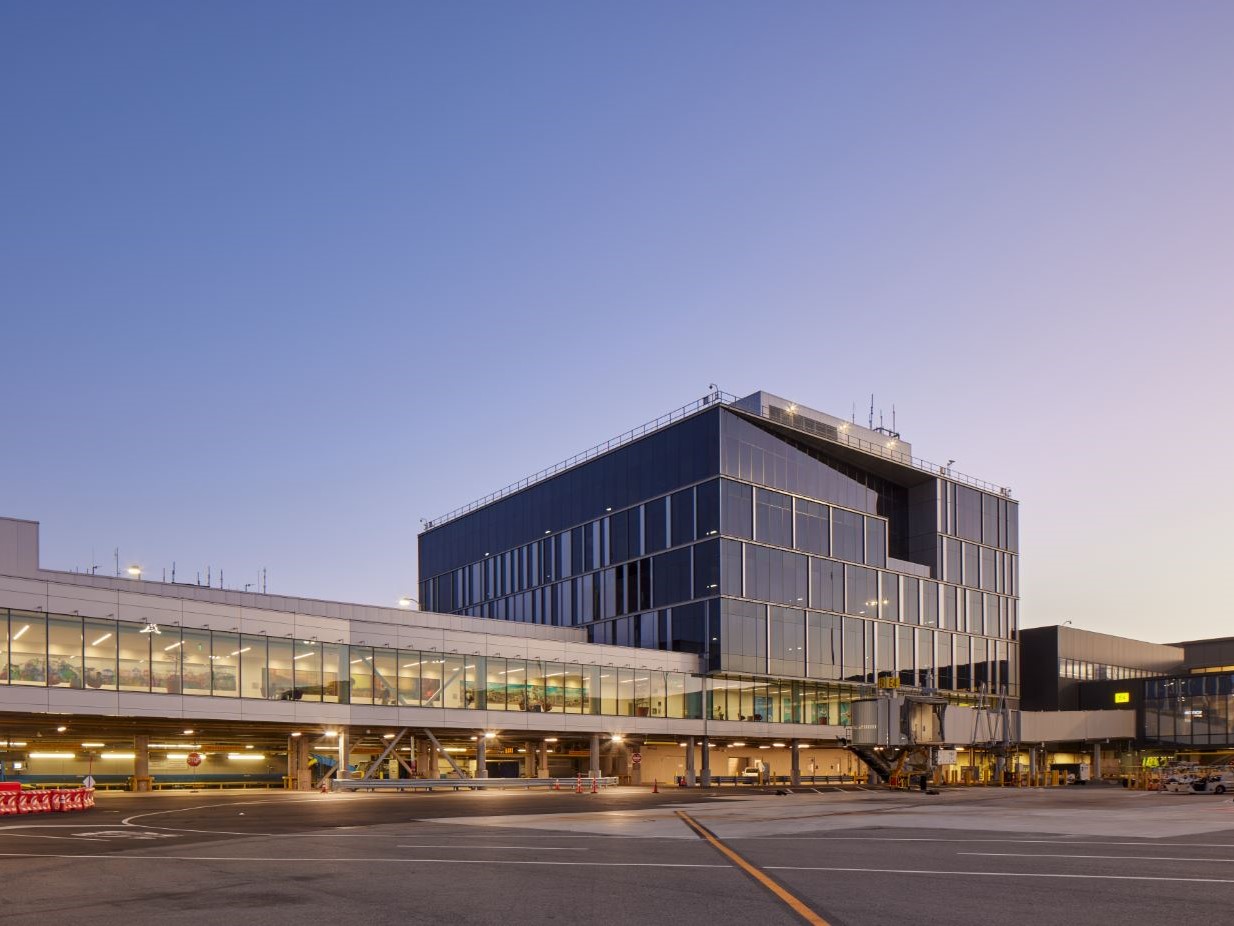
[1195, 711]
[758, 549]
[68, 651]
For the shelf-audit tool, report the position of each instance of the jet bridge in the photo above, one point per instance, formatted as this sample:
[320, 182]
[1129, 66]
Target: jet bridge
[896, 730]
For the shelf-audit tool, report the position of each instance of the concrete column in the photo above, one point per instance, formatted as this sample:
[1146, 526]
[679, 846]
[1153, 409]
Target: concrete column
[1096, 762]
[297, 764]
[542, 769]
[344, 754]
[706, 776]
[422, 757]
[141, 762]
[595, 755]
[530, 759]
[434, 761]
[690, 776]
[621, 760]
[795, 773]
[481, 756]
[293, 768]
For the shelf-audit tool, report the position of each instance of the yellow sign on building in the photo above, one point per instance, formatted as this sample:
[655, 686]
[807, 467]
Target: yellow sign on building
[1122, 697]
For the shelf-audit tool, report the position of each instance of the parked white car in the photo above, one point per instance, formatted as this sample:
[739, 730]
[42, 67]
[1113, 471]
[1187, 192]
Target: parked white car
[1218, 783]
[1176, 783]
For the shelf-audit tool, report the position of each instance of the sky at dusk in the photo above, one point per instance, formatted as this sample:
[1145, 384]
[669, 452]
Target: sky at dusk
[278, 280]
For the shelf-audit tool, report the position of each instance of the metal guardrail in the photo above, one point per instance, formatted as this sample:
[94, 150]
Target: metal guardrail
[785, 418]
[478, 784]
[719, 397]
[712, 398]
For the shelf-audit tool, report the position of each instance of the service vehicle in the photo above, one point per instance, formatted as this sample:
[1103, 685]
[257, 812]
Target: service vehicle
[1178, 782]
[1218, 783]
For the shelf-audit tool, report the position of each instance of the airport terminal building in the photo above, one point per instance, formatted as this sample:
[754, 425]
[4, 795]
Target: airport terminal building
[804, 559]
[709, 591]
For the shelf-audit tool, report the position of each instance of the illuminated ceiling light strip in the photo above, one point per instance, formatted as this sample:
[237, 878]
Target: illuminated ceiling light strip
[17, 636]
[101, 639]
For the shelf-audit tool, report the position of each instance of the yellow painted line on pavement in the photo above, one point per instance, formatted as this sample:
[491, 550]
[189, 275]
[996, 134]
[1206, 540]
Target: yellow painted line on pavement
[795, 904]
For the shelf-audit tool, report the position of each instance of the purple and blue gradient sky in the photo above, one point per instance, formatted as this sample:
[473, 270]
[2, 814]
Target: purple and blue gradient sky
[280, 279]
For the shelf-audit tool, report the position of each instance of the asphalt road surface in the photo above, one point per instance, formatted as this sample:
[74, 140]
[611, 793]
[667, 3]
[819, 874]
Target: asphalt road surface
[847, 858]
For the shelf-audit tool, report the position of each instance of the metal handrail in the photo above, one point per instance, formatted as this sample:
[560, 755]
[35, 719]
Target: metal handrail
[717, 397]
[418, 784]
[712, 398]
[881, 450]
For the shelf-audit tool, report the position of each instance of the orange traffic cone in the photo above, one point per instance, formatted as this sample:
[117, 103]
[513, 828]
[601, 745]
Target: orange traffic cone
[655, 786]
[595, 788]
[556, 784]
[578, 785]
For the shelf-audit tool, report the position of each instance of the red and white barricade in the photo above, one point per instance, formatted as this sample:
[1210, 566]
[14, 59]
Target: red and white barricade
[48, 800]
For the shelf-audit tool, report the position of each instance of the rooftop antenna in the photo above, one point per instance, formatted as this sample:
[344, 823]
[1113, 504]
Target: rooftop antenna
[263, 580]
[117, 561]
[854, 413]
[173, 572]
[893, 416]
[871, 411]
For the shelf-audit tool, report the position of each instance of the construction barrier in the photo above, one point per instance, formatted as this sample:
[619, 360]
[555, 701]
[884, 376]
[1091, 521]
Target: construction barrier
[46, 800]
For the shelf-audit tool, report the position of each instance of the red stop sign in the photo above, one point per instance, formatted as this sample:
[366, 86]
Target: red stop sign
[194, 759]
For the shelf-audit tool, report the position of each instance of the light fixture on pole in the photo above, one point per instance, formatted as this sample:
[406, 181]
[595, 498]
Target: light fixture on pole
[406, 601]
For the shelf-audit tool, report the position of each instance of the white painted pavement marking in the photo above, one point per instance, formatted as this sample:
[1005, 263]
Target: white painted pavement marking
[353, 859]
[468, 847]
[1012, 841]
[155, 813]
[1136, 858]
[995, 874]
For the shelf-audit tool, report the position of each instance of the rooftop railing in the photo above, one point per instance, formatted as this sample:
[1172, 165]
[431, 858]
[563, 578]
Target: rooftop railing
[712, 398]
[718, 397]
[887, 449]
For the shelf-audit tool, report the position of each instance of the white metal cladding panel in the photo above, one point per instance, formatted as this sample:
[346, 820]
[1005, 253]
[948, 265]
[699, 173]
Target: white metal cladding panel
[24, 698]
[1070, 726]
[26, 594]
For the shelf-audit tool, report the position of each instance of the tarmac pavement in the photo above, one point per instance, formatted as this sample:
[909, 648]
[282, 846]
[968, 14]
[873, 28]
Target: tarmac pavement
[851, 858]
